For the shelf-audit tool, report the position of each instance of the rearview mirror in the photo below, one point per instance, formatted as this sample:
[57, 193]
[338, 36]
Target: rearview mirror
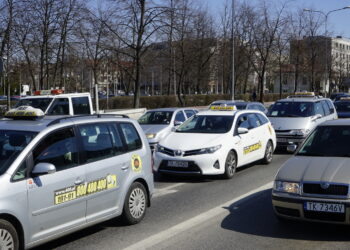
[242, 130]
[43, 168]
[177, 123]
[291, 148]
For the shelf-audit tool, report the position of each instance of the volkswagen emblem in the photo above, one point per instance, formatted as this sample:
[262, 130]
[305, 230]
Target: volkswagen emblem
[178, 152]
[324, 185]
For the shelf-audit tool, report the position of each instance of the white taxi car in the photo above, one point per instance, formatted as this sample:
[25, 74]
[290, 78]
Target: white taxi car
[216, 142]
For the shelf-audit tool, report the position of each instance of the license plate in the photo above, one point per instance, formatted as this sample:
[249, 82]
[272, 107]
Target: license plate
[281, 139]
[179, 164]
[324, 207]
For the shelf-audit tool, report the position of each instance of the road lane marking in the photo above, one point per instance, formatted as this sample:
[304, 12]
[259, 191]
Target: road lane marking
[186, 225]
[167, 190]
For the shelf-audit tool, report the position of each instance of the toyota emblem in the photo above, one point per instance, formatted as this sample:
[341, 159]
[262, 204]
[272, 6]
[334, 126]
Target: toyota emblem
[324, 185]
[178, 152]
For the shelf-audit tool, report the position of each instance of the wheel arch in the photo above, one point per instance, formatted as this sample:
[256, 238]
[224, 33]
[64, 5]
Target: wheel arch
[144, 183]
[18, 226]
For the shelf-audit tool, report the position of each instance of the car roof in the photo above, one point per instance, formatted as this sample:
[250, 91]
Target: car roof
[229, 102]
[302, 99]
[56, 96]
[42, 123]
[167, 109]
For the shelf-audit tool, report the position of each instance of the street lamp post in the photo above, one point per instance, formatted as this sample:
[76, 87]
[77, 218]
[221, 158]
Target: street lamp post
[233, 53]
[325, 37]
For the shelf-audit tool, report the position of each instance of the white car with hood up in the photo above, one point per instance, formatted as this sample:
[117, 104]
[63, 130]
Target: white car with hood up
[216, 142]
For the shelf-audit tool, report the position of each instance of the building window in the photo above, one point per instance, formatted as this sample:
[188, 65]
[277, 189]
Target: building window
[336, 45]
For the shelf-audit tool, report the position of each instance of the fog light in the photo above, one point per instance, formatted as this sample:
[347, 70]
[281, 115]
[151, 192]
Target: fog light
[216, 165]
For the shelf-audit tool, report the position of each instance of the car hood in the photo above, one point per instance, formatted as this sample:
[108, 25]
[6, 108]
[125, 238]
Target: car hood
[318, 169]
[153, 129]
[288, 123]
[189, 141]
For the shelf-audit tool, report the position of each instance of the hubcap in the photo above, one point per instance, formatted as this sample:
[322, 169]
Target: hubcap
[137, 203]
[6, 240]
[231, 164]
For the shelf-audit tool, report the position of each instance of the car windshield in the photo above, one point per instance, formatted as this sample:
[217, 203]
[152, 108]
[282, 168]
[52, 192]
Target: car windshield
[328, 141]
[39, 103]
[213, 124]
[12, 144]
[342, 106]
[291, 109]
[156, 117]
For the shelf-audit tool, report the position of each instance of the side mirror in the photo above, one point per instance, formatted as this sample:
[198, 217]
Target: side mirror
[316, 117]
[177, 123]
[43, 168]
[291, 148]
[242, 130]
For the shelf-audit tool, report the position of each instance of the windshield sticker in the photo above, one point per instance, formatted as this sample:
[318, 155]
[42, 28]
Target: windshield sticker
[74, 192]
[136, 163]
[251, 148]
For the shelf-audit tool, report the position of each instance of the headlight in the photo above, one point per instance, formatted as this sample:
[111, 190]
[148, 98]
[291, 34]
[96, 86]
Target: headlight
[150, 136]
[302, 132]
[287, 187]
[209, 150]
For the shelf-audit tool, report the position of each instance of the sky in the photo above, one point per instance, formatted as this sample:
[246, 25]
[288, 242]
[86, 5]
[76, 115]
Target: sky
[338, 22]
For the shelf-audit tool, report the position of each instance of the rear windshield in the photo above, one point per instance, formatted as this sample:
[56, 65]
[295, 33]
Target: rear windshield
[328, 141]
[39, 103]
[342, 106]
[12, 144]
[212, 124]
[156, 117]
[291, 109]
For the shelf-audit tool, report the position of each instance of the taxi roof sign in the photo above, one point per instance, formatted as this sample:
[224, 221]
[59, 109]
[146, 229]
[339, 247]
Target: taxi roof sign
[49, 92]
[24, 113]
[302, 95]
[223, 108]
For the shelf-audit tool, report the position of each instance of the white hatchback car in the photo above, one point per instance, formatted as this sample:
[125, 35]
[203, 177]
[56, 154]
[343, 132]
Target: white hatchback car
[216, 142]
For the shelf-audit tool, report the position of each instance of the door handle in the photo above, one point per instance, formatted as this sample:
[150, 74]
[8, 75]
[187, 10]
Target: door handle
[125, 167]
[78, 181]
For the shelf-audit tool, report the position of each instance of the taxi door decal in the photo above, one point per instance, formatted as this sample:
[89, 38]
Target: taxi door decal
[251, 148]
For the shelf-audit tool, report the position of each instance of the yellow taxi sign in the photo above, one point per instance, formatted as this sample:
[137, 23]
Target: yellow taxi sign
[302, 94]
[223, 108]
[24, 113]
[345, 98]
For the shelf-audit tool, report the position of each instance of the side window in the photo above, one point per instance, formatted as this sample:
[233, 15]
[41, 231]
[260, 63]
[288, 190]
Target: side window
[59, 149]
[131, 136]
[330, 105]
[261, 108]
[59, 107]
[319, 108]
[262, 119]
[21, 172]
[81, 105]
[242, 121]
[254, 122]
[180, 117]
[326, 108]
[97, 141]
[189, 113]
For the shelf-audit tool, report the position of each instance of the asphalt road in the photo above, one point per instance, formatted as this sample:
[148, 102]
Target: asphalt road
[211, 213]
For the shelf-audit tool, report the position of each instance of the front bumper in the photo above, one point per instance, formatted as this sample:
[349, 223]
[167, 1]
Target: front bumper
[291, 207]
[197, 164]
[285, 140]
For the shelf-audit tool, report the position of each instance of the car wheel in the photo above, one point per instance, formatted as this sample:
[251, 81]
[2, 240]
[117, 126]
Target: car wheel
[230, 165]
[8, 236]
[135, 204]
[268, 153]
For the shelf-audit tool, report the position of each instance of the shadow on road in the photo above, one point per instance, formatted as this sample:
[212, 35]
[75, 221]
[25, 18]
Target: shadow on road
[254, 215]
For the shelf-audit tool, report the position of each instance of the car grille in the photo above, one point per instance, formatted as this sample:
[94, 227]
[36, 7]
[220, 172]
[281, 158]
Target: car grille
[192, 152]
[324, 216]
[168, 151]
[333, 189]
[171, 152]
[282, 131]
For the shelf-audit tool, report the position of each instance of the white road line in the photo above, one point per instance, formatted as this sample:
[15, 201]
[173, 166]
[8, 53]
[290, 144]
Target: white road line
[186, 225]
[167, 190]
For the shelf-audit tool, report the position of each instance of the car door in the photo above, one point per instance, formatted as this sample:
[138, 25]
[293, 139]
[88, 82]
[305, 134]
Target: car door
[105, 164]
[242, 142]
[258, 136]
[53, 203]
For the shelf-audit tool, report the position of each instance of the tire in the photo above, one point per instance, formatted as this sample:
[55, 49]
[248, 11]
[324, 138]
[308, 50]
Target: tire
[230, 165]
[268, 153]
[135, 204]
[8, 236]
